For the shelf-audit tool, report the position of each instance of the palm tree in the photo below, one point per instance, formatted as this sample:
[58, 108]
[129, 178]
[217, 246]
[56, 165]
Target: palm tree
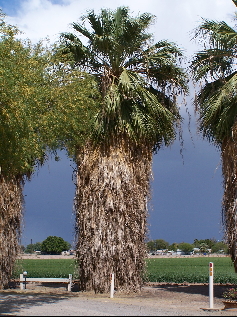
[139, 82]
[215, 68]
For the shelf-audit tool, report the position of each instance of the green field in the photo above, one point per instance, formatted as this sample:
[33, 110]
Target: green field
[46, 268]
[191, 270]
[167, 270]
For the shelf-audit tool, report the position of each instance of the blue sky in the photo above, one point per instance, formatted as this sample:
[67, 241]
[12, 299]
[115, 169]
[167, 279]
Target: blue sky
[186, 191]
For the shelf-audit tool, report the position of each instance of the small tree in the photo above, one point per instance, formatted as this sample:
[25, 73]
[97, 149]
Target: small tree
[54, 245]
[30, 248]
[161, 244]
[151, 246]
[186, 247]
[173, 247]
[220, 247]
[209, 242]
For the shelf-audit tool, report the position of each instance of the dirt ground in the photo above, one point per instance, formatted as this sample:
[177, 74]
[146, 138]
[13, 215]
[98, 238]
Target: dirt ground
[155, 299]
[41, 256]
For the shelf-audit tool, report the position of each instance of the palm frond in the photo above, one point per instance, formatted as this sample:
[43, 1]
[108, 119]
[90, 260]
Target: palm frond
[218, 34]
[212, 63]
[220, 42]
[130, 108]
[217, 108]
[82, 30]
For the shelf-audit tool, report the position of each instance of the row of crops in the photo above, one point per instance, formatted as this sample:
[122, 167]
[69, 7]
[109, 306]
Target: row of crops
[190, 270]
[46, 268]
[166, 270]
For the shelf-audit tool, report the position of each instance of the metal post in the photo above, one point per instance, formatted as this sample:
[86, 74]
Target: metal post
[211, 268]
[112, 285]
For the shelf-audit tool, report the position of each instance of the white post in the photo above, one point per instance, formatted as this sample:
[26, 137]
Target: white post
[69, 287]
[211, 269]
[112, 285]
[21, 282]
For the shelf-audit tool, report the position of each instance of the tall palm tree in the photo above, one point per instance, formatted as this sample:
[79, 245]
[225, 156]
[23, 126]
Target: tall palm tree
[139, 82]
[215, 68]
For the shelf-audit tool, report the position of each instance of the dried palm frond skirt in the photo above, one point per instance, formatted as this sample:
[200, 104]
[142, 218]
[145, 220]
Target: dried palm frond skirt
[111, 199]
[229, 171]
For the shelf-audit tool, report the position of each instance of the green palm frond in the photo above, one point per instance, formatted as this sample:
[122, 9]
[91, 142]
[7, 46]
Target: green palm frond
[212, 62]
[121, 55]
[217, 109]
[131, 108]
[79, 28]
[215, 67]
[95, 23]
[219, 34]
[73, 45]
[220, 50]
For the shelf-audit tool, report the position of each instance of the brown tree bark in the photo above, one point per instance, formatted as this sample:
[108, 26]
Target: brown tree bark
[112, 193]
[11, 204]
[229, 171]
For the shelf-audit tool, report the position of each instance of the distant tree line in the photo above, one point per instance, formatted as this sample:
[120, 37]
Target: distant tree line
[203, 246]
[51, 245]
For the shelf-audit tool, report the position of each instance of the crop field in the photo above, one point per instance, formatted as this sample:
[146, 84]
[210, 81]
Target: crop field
[166, 270]
[191, 270]
[46, 268]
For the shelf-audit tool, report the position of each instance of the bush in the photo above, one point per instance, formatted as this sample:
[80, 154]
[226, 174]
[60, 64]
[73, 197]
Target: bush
[186, 247]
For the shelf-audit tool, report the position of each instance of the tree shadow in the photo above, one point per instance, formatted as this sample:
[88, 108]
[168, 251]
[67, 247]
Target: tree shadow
[197, 289]
[15, 284]
[12, 302]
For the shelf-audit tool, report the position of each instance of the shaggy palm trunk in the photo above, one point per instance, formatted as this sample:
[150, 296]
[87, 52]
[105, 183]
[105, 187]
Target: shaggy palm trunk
[229, 166]
[111, 214]
[11, 200]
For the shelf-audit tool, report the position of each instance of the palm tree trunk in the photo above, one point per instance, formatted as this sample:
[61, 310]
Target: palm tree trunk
[229, 167]
[11, 200]
[111, 214]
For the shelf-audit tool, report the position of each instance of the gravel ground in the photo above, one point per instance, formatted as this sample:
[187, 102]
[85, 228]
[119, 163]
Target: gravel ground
[154, 300]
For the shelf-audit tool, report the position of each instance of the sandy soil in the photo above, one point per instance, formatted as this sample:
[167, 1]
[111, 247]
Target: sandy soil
[41, 256]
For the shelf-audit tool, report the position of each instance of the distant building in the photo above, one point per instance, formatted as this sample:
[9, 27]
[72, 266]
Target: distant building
[180, 252]
[65, 253]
